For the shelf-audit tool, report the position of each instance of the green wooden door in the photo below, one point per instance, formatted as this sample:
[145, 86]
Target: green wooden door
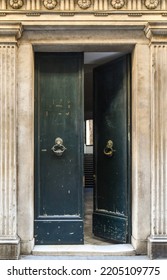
[111, 217]
[58, 163]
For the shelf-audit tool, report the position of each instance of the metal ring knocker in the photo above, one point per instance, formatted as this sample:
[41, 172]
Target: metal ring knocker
[108, 150]
[58, 148]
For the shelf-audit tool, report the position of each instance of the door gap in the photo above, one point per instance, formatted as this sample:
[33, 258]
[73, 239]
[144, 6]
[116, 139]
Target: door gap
[89, 238]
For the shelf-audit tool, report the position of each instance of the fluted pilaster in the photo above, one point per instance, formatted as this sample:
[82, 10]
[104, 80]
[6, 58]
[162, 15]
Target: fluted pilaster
[158, 239]
[159, 141]
[8, 143]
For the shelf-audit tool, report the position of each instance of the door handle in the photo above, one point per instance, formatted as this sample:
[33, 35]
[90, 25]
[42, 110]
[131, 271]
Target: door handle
[108, 150]
[58, 148]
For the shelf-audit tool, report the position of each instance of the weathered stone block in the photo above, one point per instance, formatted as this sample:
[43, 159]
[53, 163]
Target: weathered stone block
[9, 249]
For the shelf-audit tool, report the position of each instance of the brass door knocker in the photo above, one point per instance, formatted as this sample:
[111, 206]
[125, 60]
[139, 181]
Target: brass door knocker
[108, 150]
[58, 148]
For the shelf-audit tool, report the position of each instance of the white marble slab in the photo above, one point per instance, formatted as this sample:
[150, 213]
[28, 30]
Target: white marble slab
[113, 250]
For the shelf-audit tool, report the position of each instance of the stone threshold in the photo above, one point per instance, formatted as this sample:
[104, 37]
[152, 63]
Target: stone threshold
[92, 250]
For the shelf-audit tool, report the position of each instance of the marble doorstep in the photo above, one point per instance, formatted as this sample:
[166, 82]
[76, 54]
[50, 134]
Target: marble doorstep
[93, 250]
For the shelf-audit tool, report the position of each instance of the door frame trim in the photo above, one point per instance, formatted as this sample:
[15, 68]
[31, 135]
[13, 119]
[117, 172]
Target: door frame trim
[140, 172]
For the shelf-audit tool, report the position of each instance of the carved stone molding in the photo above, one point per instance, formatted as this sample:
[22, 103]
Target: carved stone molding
[117, 4]
[49, 4]
[151, 4]
[10, 32]
[156, 32]
[16, 4]
[84, 6]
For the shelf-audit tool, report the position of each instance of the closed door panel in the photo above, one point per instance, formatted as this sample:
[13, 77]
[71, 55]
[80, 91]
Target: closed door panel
[58, 148]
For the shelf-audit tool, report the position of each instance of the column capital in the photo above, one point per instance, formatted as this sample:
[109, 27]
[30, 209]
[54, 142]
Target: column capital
[10, 32]
[156, 32]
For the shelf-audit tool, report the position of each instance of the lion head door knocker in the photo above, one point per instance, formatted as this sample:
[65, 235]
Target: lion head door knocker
[108, 150]
[58, 149]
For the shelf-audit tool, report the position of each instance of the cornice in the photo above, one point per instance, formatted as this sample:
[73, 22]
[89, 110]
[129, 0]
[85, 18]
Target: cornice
[156, 32]
[10, 31]
[106, 7]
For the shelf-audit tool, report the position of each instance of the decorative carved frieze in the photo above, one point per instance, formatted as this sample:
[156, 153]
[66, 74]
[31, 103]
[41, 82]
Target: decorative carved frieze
[49, 4]
[84, 4]
[117, 4]
[16, 4]
[151, 4]
[87, 6]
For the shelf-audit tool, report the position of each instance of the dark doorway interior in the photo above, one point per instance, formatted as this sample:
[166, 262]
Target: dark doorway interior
[91, 61]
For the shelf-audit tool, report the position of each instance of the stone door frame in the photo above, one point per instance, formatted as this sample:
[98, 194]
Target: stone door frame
[147, 43]
[26, 132]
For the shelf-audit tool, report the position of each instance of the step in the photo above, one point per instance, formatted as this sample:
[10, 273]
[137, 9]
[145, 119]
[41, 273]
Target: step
[91, 250]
